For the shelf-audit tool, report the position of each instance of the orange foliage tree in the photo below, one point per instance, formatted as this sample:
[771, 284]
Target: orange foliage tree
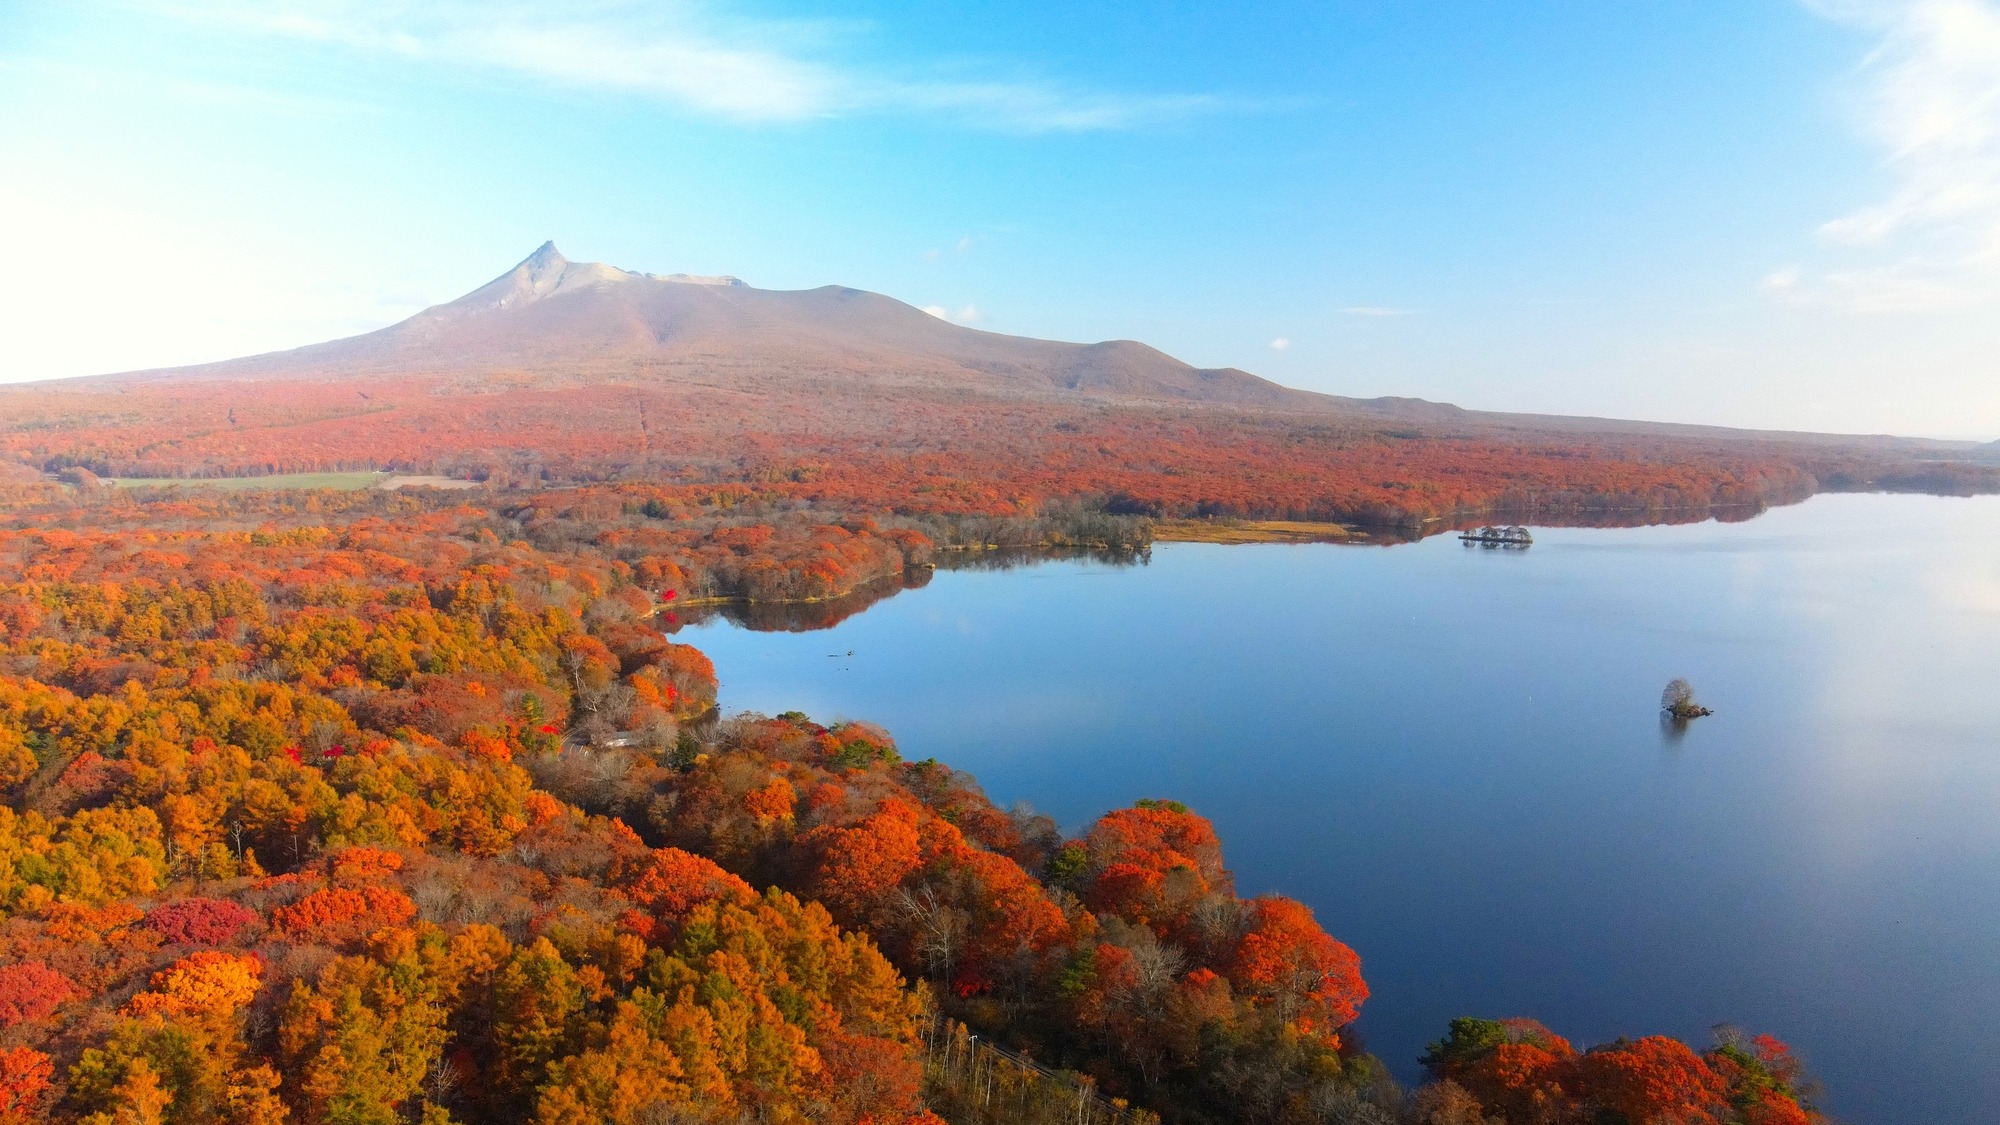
[371, 807]
[1518, 1072]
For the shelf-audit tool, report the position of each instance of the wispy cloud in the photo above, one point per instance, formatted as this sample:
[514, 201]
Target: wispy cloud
[1373, 310]
[960, 248]
[1931, 101]
[968, 314]
[699, 58]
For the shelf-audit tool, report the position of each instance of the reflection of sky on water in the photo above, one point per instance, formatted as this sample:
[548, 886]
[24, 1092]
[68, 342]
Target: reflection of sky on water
[1454, 756]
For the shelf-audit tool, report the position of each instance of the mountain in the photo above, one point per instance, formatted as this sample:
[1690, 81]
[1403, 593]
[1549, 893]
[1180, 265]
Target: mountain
[559, 321]
[551, 323]
[562, 371]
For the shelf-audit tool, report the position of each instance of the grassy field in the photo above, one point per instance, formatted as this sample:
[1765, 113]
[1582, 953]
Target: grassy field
[1250, 531]
[347, 482]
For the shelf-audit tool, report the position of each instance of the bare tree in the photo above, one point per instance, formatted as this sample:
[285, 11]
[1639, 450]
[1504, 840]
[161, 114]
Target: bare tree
[1679, 693]
[441, 1080]
[664, 1112]
[1156, 964]
[1334, 1104]
[1678, 700]
[939, 928]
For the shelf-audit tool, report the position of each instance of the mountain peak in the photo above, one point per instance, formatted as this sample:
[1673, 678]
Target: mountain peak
[548, 316]
[534, 277]
[545, 260]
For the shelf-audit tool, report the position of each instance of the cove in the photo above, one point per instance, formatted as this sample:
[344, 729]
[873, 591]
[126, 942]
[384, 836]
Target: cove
[1455, 756]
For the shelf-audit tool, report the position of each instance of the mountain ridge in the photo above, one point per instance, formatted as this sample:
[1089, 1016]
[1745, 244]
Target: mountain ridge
[552, 317]
[551, 322]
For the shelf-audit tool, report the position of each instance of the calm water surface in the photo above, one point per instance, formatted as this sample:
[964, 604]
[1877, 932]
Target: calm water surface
[1455, 757]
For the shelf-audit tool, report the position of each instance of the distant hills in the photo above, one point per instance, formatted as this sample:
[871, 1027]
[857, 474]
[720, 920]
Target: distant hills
[559, 372]
[551, 322]
[560, 321]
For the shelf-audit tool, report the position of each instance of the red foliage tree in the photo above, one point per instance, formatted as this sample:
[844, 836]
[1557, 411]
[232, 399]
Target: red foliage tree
[337, 915]
[199, 921]
[1286, 959]
[671, 883]
[1152, 863]
[363, 865]
[1529, 1075]
[25, 1075]
[30, 990]
[1654, 1081]
[855, 869]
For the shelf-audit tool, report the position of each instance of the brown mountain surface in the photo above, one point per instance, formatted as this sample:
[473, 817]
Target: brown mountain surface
[559, 321]
[559, 372]
[550, 322]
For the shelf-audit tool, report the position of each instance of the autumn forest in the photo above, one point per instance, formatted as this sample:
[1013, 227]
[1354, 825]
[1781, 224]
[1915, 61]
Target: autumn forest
[553, 696]
[360, 807]
[365, 805]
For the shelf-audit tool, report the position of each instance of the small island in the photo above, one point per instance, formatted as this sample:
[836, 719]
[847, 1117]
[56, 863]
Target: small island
[1498, 537]
[1678, 701]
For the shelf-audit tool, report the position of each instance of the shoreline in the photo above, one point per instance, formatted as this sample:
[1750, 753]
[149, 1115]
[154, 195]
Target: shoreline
[1257, 531]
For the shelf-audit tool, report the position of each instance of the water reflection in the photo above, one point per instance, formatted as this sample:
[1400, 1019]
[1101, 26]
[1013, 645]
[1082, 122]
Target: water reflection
[806, 617]
[792, 617]
[1673, 729]
[811, 617]
[1461, 764]
[1006, 559]
[1528, 513]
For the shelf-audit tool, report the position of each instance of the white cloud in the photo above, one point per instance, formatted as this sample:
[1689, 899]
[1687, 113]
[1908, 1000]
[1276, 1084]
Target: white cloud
[962, 247]
[1932, 104]
[1280, 344]
[1901, 288]
[692, 56]
[1374, 310]
[968, 314]
[1783, 281]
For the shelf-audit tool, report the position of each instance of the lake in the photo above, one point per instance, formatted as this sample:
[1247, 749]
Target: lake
[1455, 756]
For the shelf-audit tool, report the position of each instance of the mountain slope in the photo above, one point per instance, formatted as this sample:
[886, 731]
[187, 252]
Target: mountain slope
[559, 372]
[551, 323]
[554, 319]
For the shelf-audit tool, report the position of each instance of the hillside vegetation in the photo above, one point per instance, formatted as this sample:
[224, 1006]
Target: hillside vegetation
[330, 804]
[558, 373]
[364, 807]
[928, 452]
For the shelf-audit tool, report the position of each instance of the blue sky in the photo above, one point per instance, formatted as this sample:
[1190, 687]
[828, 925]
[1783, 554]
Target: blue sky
[1760, 212]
